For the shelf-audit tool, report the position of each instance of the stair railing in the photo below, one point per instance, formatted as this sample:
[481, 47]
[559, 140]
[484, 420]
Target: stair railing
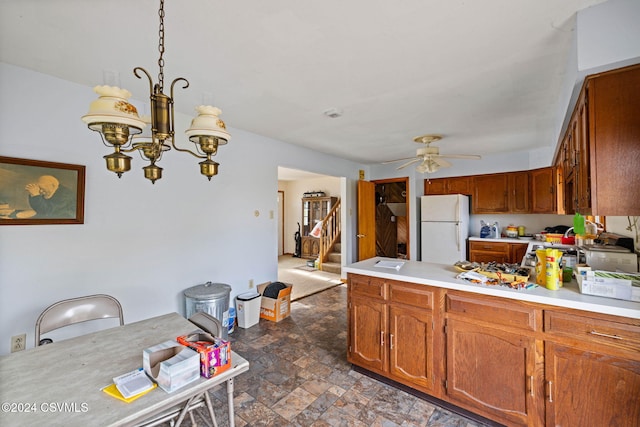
[330, 232]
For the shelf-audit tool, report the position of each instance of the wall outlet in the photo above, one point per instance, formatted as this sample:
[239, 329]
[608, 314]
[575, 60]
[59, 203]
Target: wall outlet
[18, 342]
[250, 283]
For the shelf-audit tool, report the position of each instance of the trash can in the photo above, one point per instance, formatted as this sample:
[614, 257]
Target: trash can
[211, 298]
[248, 309]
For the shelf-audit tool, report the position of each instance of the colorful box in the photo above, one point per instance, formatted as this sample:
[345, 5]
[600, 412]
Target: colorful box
[275, 309]
[215, 353]
[171, 365]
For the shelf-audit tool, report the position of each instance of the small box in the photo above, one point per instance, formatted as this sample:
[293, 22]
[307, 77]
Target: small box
[171, 365]
[618, 285]
[275, 309]
[215, 353]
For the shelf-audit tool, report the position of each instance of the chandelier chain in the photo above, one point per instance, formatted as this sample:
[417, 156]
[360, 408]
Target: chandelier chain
[161, 47]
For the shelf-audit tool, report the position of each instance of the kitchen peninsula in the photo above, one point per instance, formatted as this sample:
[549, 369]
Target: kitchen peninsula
[519, 357]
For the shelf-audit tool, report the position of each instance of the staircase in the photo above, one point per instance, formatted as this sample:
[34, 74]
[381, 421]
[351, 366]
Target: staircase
[330, 250]
[333, 262]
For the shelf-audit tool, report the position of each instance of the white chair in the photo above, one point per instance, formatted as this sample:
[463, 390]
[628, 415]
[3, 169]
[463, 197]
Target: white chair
[77, 310]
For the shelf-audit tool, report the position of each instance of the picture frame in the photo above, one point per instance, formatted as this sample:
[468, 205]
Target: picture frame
[35, 192]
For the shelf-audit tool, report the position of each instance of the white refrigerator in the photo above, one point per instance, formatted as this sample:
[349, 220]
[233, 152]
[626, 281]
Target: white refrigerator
[444, 228]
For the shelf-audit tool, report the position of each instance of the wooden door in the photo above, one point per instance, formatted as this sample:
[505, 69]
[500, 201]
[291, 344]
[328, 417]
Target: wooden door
[543, 190]
[366, 220]
[518, 187]
[459, 185]
[490, 194]
[411, 345]
[492, 371]
[367, 333]
[590, 388]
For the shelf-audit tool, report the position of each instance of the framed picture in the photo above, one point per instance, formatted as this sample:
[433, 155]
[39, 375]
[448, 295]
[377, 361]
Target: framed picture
[35, 192]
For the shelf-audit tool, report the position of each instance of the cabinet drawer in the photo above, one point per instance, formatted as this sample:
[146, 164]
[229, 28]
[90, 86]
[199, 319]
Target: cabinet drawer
[367, 286]
[495, 311]
[500, 247]
[593, 329]
[411, 294]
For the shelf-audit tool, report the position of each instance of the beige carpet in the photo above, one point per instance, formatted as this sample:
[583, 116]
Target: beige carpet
[306, 281]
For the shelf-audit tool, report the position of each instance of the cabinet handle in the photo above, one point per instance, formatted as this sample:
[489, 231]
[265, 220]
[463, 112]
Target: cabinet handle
[391, 341]
[531, 385]
[600, 334]
[382, 338]
[550, 392]
[360, 236]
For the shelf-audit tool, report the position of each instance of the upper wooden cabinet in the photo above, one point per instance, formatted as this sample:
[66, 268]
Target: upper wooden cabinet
[453, 185]
[520, 192]
[600, 150]
[501, 193]
[544, 190]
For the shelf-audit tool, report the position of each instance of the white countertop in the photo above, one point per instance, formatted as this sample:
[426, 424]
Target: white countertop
[444, 276]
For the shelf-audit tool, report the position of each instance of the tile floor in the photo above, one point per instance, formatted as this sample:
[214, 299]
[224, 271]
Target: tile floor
[299, 376]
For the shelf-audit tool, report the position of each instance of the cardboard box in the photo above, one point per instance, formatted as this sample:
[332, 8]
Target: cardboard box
[215, 353]
[171, 365]
[275, 309]
[618, 285]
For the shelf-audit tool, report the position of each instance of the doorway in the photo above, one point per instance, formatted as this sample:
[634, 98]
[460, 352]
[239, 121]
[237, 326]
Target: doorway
[392, 218]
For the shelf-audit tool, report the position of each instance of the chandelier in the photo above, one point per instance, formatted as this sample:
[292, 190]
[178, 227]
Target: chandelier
[121, 128]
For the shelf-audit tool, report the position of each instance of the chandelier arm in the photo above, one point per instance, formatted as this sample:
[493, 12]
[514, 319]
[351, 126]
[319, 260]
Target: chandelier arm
[186, 150]
[135, 72]
[173, 83]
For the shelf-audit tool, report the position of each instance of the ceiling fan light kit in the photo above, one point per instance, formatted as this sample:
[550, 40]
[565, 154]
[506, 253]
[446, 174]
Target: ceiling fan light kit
[429, 157]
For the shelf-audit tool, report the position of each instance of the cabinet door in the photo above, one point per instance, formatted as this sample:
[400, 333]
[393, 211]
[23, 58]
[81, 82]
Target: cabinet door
[583, 168]
[411, 345]
[489, 252]
[518, 192]
[492, 371]
[490, 194]
[591, 388]
[435, 186]
[517, 252]
[543, 190]
[367, 334]
[459, 185]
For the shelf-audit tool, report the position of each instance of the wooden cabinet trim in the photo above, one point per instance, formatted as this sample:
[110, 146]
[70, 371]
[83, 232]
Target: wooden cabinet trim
[372, 287]
[492, 310]
[411, 294]
[597, 330]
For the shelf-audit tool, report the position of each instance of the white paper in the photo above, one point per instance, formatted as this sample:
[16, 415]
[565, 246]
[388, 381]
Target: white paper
[389, 264]
[132, 383]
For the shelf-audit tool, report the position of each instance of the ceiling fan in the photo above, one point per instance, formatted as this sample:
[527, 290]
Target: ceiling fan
[429, 157]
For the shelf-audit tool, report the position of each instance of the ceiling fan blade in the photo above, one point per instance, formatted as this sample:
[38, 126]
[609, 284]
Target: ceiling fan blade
[397, 160]
[441, 162]
[461, 156]
[415, 159]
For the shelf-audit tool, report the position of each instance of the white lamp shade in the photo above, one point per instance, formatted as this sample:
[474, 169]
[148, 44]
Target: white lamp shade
[112, 107]
[207, 123]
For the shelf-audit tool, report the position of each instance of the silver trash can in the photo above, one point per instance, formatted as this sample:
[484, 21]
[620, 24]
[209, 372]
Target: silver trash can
[211, 298]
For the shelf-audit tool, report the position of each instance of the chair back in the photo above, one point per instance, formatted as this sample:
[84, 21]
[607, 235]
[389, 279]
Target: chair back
[77, 310]
[207, 323]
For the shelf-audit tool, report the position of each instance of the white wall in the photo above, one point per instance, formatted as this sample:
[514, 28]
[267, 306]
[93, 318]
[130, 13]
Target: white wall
[142, 243]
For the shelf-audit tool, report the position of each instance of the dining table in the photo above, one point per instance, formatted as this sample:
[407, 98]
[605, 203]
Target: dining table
[60, 384]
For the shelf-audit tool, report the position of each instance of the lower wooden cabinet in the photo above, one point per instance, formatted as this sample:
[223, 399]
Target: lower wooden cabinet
[518, 363]
[500, 252]
[310, 247]
[411, 345]
[591, 387]
[392, 335]
[492, 371]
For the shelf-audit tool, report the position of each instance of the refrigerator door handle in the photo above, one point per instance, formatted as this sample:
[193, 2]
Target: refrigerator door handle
[458, 235]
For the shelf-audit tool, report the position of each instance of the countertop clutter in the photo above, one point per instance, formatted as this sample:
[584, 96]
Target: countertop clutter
[444, 276]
